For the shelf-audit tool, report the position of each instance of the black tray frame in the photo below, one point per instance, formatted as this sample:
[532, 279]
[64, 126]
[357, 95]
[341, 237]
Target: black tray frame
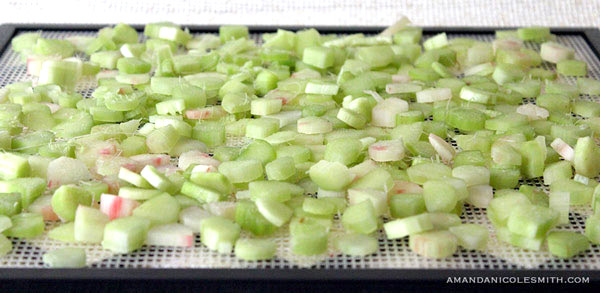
[261, 280]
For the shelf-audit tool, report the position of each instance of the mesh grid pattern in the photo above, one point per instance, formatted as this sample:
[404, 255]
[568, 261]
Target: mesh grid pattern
[391, 254]
[314, 12]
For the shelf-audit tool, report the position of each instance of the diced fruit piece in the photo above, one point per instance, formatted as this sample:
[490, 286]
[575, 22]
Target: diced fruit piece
[384, 113]
[254, 249]
[330, 175]
[219, 234]
[435, 244]
[25, 225]
[360, 218]
[472, 175]
[64, 232]
[135, 193]
[580, 194]
[532, 221]
[5, 223]
[163, 209]
[171, 235]
[66, 170]
[533, 155]
[440, 196]
[586, 158]
[560, 202]
[5, 245]
[13, 166]
[248, 217]
[503, 234]
[200, 193]
[566, 244]
[422, 172]
[308, 238]
[89, 224]
[274, 211]
[561, 170]
[242, 171]
[43, 206]
[116, 207]
[387, 151]
[480, 195]
[124, 235]
[554, 52]
[592, 229]
[378, 179]
[67, 257]
[500, 208]
[443, 221]
[471, 236]
[280, 169]
[377, 197]
[133, 178]
[407, 226]
[10, 204]
[343, 150]
[192, 217]
[406, 204]
[444, 149]
[157, 179]
[356, 244]
[67, 198]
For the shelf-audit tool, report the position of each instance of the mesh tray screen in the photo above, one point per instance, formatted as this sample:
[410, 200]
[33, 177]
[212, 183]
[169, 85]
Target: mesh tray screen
[392, 253]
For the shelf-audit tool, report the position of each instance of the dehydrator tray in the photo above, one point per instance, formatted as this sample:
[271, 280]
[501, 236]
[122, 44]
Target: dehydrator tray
[393, 262]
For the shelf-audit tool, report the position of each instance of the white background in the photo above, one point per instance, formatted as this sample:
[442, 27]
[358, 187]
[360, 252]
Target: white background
[310, 12]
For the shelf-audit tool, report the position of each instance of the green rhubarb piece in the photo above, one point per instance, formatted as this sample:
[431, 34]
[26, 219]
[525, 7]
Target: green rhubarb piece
[242, 171]
[580, 194]
[503, 234]
[163, 209]
[10, 204]
[249, 218]
[360, 218]
[587, 157]
[13, 166]
[5, 245]
[500, 208]
[5, 223]
[89, 224]
[67, 257]
[330, 175]
[434, 244]
[356, 244]
[255, 249]
[124, 235]
[219, 234]
[532, 221]
[566, 244]
[64, 232]
[571, 68]
[258, 150]
[214, 181]
[407, 226]
[308, 238]
[406, 205]
[439, 196]
[274, 211]
[67, 198]
[280, 169]
[471, 236]
[26, 225]
[428, 171]
[592, 229]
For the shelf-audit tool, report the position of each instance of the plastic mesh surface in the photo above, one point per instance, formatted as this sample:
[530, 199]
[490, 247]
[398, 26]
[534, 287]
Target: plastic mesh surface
[391, 254]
